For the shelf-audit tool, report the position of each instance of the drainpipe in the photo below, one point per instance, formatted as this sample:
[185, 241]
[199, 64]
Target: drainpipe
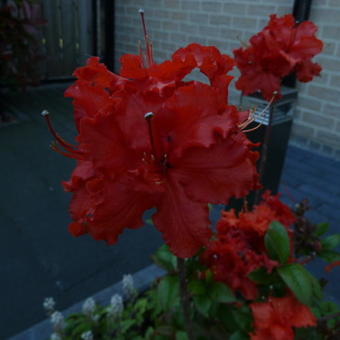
[109, 16]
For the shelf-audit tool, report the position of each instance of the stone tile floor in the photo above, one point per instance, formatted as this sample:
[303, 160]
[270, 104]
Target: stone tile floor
[38, 258]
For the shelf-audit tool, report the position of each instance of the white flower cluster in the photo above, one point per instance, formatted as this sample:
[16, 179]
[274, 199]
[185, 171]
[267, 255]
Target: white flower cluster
[115, 309]
[55, 336]
[87, 335]
[89, 306]
[49, 304]
[128, 286]
[57, 320]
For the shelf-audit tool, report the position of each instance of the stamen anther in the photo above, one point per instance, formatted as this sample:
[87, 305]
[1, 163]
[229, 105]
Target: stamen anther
[148, 115]
[141, 10]
[44, 113]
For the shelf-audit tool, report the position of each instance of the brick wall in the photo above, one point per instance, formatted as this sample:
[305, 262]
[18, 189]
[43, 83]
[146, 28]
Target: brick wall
[223, 23]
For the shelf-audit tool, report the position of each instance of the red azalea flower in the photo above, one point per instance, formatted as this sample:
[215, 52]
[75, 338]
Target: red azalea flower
[276, 318]
[239, 248]
[280, 48]
[149, 139]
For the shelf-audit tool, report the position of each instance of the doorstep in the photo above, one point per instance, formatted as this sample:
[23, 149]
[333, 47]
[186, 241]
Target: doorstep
[142, 280]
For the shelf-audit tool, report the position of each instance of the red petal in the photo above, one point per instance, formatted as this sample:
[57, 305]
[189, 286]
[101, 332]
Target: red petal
[293, 311]
[306, 70]
[76, 229]
[96, 73]
[88, 99]
[192, 116]
[132, 67]
[226, 169]
[82, 172]
[305, 45]
[104, 144]
[208, 59]
[118, 207]
[183, 223]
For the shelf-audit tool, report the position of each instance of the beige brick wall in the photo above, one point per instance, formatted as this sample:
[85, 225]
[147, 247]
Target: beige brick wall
[223, 23]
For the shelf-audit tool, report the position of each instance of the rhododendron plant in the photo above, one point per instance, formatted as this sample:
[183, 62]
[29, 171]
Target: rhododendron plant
[148, 138]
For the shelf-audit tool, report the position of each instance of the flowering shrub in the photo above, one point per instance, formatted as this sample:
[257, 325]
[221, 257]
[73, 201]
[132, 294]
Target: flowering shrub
[149, 139]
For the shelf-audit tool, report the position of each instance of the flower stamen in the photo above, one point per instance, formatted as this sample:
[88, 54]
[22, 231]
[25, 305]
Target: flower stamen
[72, 152]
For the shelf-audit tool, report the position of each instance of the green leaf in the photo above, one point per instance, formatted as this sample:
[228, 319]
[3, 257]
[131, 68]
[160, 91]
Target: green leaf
[276, 241]
[168, 292]
[301, 282]
[181, 335]
[203, 304]
[238, 336]
[321, 228]
[330, 242]
[261, 276]
[220, 292]
[165, 259]
[197, 287]
[329, 255]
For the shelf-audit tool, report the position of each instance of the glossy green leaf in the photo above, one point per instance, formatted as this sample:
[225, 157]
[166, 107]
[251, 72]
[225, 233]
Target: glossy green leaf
[203, 304]
[321, 228]
[168, 292]
[238, 336]
[261, 276]
[219, 292]
[197, 287]
[165, 259]
[329, 255]
[181, 335]
[330, 242]
[304, 286]
[276, 241]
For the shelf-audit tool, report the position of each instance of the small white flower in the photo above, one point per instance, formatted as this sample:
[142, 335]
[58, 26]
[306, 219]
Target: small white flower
[57, 320]
[115, 309]
[89, 306]
[87, 335]
[49, 304]
[55, 336]
[128, 286]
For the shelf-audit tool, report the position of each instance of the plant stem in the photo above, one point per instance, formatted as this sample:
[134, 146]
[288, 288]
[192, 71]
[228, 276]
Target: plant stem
[185, 302]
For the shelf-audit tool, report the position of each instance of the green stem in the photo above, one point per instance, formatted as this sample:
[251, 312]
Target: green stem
[185, 298]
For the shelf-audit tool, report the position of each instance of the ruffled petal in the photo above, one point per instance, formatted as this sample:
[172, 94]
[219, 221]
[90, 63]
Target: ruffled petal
[118, 206]
[192, 117]
[305, 71]
[132, 67]
[226, 169]
[97, 74]
[88, 99]
[104, 144]
[183, 223]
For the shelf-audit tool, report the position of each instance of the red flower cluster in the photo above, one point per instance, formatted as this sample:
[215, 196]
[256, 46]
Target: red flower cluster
[281, 48]
[239, 247]
[149, 139]
[276, 318]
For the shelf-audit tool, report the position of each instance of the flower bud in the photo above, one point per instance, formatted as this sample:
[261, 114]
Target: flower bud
[87, 335]
[57, 320]
[49, 304]
[129, 289]
[115, 309]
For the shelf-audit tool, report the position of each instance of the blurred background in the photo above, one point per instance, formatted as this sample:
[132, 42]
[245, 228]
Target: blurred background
[42, 42]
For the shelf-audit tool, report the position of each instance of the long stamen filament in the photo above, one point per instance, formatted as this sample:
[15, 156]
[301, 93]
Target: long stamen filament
[148, 116]
[67, 146]
[148, 46]
[261, 114]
